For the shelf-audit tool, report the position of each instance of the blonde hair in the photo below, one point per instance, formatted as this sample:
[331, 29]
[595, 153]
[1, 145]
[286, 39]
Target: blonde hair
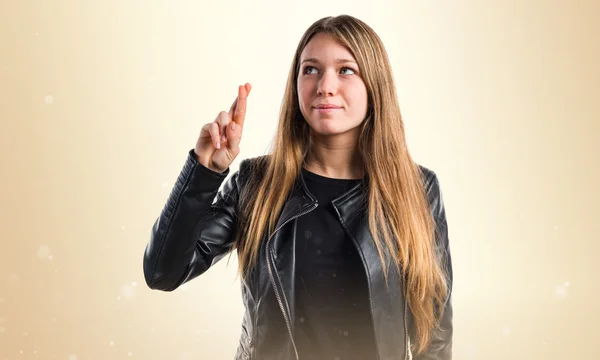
[398, 211]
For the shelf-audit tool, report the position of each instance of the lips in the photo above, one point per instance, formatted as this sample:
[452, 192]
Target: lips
[327, 106]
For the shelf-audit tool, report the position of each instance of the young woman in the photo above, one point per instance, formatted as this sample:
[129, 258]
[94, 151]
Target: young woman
[341, 237]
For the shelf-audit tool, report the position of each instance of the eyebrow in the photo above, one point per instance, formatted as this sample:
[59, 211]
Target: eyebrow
[338, 61]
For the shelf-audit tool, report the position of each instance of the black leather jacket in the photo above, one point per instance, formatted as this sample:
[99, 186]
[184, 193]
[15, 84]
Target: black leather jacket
[195, 230]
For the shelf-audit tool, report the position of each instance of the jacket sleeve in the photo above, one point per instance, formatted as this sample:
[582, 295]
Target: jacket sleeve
[440, 347]
[195, 228]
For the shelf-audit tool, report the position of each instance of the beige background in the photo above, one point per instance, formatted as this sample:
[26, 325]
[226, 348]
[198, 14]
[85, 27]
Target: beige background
[100, 101]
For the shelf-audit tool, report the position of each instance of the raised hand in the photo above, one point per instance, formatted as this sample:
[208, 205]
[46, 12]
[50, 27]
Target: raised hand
[219, 141]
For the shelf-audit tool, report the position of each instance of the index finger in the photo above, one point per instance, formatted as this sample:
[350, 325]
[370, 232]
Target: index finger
[239, 114]
[232, 108]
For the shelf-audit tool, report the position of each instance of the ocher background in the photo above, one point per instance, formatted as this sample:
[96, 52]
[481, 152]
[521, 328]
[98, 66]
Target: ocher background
[100, 102]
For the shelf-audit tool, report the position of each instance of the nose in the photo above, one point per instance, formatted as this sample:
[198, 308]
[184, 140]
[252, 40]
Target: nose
[327, 84]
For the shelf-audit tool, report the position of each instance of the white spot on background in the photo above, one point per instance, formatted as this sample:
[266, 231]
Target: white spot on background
[128, 291]
[130, 354]
[49, 99]
[50, 257]
[555, 227]
[13, 278]
[506, 331]
[72, 357]
[562, 290]
[165, 185]
[43, 252]
[111, 343]
[134, 284]
[346, 333]
[2, 329]
[122, 227]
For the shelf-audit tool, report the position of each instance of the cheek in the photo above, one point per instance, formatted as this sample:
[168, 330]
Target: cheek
[304, 93]
[358, 98]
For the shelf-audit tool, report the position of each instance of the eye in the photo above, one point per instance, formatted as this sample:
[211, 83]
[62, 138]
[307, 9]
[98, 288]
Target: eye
[348, 69]
[308, 68]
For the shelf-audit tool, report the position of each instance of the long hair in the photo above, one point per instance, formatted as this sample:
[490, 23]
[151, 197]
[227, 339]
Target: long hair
[399, 216]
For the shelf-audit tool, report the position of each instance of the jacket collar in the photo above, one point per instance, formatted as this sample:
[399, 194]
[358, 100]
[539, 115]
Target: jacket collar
[302, 200]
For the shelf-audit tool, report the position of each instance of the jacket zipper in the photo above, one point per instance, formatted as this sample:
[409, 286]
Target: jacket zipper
[272, 278]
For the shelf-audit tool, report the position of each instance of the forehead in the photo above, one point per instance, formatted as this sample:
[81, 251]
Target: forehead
[323, 47]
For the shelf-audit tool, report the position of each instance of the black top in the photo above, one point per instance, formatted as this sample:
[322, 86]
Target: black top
[333, 319]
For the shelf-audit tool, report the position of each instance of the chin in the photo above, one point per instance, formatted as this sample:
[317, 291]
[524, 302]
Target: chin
[328, 127]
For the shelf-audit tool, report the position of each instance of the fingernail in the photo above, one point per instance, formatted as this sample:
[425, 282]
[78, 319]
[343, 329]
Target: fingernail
[223, 137]
[218, 144]
[233, 126]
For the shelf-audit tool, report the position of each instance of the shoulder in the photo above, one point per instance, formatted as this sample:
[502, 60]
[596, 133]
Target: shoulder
[431, 185]
[428, 177]
[253, 164]
[251, 168]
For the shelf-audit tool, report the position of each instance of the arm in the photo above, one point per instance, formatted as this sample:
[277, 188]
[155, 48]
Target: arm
[441, 337]
[195, 229]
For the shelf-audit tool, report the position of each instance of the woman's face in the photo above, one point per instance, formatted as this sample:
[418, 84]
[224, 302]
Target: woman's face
[331, 92]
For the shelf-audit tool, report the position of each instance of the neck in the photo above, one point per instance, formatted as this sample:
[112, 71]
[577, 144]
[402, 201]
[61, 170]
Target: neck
[334, 158]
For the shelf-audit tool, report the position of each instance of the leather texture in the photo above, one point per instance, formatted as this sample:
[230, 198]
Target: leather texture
[196, 229]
